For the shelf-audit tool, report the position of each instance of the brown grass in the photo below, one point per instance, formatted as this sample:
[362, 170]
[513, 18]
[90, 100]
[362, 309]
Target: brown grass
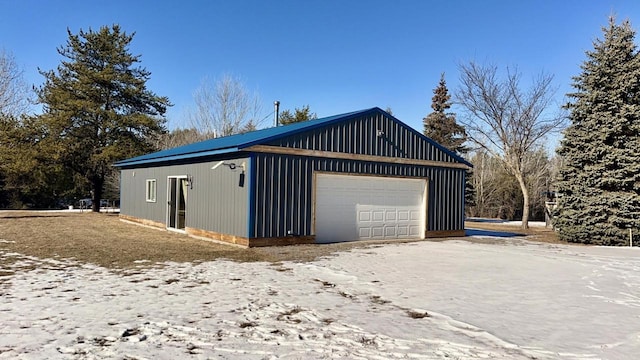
[415, 314]
[104, 240]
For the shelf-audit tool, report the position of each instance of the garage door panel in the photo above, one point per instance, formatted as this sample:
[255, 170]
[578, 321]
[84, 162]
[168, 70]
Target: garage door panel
[364, 232]
[390, 232]
[363, 207]
[378, 215]
[390, 215]
[377, 232]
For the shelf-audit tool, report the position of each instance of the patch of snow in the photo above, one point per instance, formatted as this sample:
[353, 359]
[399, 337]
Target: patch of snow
[423, 300]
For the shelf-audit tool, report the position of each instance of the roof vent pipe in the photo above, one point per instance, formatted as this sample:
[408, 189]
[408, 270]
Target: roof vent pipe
[276, 111]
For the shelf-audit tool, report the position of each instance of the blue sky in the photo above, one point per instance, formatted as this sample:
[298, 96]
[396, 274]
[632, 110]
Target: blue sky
[336, 56]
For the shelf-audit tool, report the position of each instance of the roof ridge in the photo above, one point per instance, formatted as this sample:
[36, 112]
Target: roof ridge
[238, 142]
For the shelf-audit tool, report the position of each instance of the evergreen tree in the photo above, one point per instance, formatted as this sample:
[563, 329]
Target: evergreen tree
[299, 115]
[96, 106]
[441, 126]
[600, 177]
[28, 177]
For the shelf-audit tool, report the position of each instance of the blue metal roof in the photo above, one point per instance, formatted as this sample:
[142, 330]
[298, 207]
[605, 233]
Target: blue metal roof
[238, 142]
[234, 142]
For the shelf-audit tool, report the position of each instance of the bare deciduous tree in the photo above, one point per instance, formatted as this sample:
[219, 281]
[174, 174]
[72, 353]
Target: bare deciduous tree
[224, 108]
[484, 176]
[178, 137]
[538, 172]
[14, 92]
[507, 121]
[498, 193]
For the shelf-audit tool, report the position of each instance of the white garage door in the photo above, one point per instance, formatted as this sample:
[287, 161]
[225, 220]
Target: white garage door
[365, 207]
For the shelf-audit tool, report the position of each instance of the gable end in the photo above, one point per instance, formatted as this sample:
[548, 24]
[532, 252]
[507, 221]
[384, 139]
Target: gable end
[372, 134]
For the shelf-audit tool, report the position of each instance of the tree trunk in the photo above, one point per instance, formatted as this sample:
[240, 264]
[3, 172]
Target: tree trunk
[98, 184]
[525, 197]
[480, 200]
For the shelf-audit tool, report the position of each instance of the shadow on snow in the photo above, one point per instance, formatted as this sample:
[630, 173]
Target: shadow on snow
[493, 233]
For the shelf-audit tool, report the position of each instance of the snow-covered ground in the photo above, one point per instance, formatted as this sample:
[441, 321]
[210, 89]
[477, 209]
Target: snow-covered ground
[423, 300]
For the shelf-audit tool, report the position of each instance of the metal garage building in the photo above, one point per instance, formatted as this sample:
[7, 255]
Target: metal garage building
[355, 176]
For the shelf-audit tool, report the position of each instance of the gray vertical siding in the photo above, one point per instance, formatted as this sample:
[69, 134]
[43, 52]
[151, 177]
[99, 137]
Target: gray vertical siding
[216, 201]
[284, 191]
[132, 194]
[359, 136]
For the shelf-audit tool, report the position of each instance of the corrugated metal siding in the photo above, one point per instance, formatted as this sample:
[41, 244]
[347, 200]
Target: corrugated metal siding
[283, 199]
[133, 194]
[216, 201]
[358, 136]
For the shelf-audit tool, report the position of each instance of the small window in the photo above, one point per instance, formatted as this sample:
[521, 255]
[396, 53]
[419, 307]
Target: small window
[151, 190]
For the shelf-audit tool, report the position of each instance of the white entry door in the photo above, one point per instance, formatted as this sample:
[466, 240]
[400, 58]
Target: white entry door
[365, 207]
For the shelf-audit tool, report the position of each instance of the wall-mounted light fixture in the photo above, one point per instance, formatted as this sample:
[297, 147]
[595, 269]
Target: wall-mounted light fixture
[380, 133]
[233, 166]
[190, 181]
[217, 165]
[230, 165]
[241, 179]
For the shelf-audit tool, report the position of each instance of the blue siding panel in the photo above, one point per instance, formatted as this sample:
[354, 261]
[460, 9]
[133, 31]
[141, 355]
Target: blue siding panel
[251, 198]
[359, 136]
[284, 196]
